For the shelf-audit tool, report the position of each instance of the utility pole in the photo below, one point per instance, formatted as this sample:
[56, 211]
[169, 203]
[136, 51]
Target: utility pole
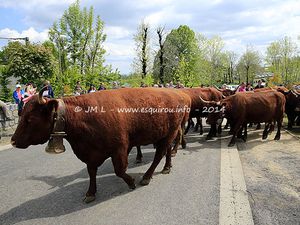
[26, 39]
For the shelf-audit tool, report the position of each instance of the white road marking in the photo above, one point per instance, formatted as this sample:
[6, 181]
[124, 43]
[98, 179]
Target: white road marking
[234, 203]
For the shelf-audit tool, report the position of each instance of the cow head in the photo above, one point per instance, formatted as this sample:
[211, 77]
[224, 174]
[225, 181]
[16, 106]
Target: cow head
[214, 110]
[36, 122]
[292, 98]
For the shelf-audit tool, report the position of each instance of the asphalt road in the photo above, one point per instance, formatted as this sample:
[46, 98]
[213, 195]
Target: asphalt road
[38, 188]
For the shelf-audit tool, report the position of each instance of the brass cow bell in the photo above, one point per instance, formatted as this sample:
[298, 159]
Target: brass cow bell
[55, 144]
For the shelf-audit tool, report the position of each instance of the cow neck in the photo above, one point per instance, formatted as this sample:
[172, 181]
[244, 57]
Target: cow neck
[59, 120]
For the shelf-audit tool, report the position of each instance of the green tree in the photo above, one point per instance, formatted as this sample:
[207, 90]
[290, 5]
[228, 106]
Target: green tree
[78, 38]
[29, 63]
[181, 54]
[5, 92]
[211, 50]
[287, 52]
[250, 64]
[142, 41]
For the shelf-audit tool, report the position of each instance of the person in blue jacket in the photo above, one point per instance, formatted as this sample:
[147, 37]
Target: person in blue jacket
[18, 95]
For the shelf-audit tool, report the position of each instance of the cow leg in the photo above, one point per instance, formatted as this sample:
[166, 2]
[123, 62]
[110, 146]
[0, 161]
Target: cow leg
[90, 195]
[188, 126]
[265, 133]
[168, 163]
[240, 133]
[120, 162]
[244, 137]
[272, 127]
[220, 128]
[250, 125]
[235, 130]
[179, 139]
[258, 127]
[291, 119]
[212, 132]
[199, 122]
[298, 121]
[192, 123]
[279, 125]
[177, 142]
[161, 150]
[139, 155]
[183, 142]
[226, 125]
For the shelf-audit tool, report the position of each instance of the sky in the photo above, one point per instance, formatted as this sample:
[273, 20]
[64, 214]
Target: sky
[238, 23]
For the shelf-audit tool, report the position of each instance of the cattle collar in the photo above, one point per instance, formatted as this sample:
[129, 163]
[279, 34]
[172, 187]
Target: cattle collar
[58, 119]
[55, 144]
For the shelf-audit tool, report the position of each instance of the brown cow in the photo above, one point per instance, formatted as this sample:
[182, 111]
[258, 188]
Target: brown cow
[292, 107]
[97, 126]
[247, 107]
[197, 110]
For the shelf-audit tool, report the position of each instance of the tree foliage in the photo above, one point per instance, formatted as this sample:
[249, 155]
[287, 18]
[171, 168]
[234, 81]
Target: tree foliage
[142, 60]
[78, 38]
[29, 63]
[249, 64]
[282, 59]
[180, 57]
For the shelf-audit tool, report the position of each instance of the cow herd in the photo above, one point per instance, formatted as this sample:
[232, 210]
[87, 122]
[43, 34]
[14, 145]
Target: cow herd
[124, 122]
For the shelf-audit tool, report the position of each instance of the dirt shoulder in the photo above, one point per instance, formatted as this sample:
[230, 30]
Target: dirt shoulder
[272, 174]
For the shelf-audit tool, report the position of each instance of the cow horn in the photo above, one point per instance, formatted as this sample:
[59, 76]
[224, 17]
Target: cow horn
[295, 93]
[216, 87]
[41, 99]
[204, 101]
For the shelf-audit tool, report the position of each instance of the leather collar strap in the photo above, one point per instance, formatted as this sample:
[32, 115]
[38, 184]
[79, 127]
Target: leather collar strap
[59, 120]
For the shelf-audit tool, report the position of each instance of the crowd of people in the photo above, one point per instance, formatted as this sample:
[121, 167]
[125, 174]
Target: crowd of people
[243, 87]
[21, 96]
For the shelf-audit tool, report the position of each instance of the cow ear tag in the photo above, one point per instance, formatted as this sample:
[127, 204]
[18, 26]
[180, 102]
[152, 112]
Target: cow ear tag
[55, 144]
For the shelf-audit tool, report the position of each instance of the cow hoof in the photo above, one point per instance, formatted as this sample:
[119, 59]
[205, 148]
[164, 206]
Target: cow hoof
[132, 186]
[166, 170]
[183, 146]
[173, 153]
[137, 161]
[244, 138]
[264, 137]
[89, 199]
[201, 132]
[145, 182]
[230, 144]
[277, 138]
[208, 137]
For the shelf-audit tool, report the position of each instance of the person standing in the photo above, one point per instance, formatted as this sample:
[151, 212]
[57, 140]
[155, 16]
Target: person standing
[242, 87]
[49, 92]
[92, 89]
[259, 85]
[18, 95]
[249, 87]
[78, 89]
[101, 87]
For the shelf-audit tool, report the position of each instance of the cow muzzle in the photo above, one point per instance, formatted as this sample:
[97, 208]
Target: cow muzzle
[55, 144]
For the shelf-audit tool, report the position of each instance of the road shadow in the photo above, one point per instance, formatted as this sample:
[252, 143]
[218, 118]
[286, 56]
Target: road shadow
[68, 194]
[67, 199]
[105, 169]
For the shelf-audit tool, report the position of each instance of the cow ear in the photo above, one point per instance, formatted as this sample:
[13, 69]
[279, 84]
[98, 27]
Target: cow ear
[52, 105]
